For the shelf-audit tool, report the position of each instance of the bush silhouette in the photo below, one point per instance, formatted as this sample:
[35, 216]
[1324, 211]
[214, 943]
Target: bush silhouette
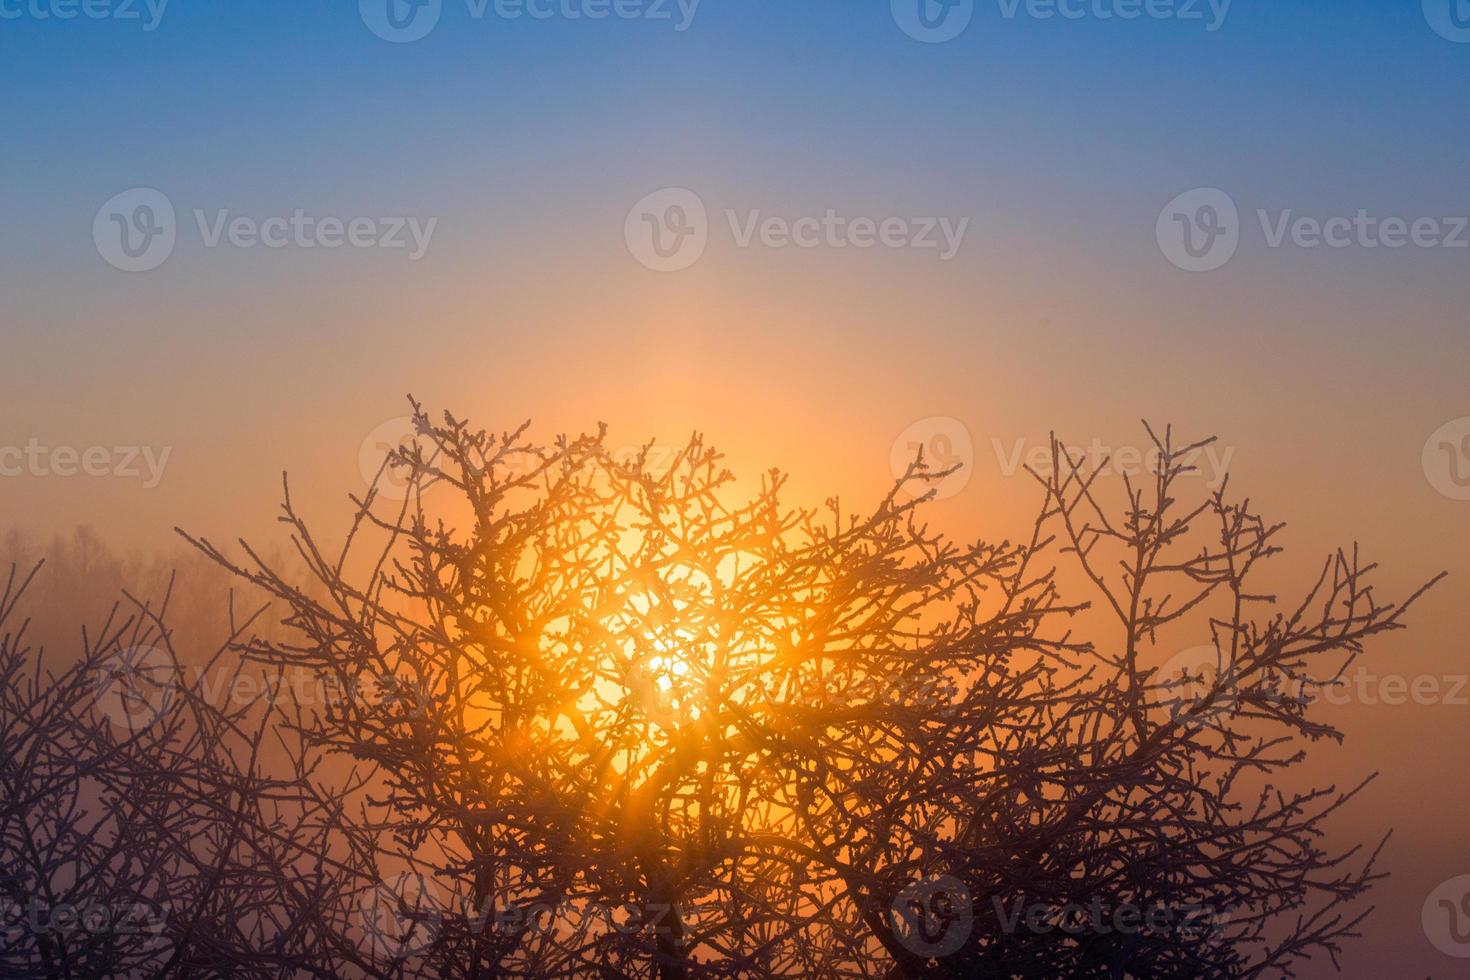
[576, 713]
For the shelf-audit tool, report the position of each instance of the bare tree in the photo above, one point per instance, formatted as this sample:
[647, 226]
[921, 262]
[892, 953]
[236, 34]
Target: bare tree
[1156, 830]
[117, 809]
[569, 713]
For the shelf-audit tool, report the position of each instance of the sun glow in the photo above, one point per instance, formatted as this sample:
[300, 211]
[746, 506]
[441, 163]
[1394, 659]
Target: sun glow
[673, 678]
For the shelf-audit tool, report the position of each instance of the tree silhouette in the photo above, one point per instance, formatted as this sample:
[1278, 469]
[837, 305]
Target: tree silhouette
[127, 796]
[1157, 832]
[577, 712]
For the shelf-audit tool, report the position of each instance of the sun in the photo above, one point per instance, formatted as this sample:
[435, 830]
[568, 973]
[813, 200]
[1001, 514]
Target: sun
[673, 675]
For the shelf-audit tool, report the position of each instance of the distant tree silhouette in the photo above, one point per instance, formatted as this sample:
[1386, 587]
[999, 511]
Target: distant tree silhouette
[574, 712]
[125, 797]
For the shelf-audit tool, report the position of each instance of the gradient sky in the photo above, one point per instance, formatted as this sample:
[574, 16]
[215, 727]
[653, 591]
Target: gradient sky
[1325, 370]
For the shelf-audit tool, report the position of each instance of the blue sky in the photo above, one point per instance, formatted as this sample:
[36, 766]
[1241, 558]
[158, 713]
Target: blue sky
[1362, 100]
